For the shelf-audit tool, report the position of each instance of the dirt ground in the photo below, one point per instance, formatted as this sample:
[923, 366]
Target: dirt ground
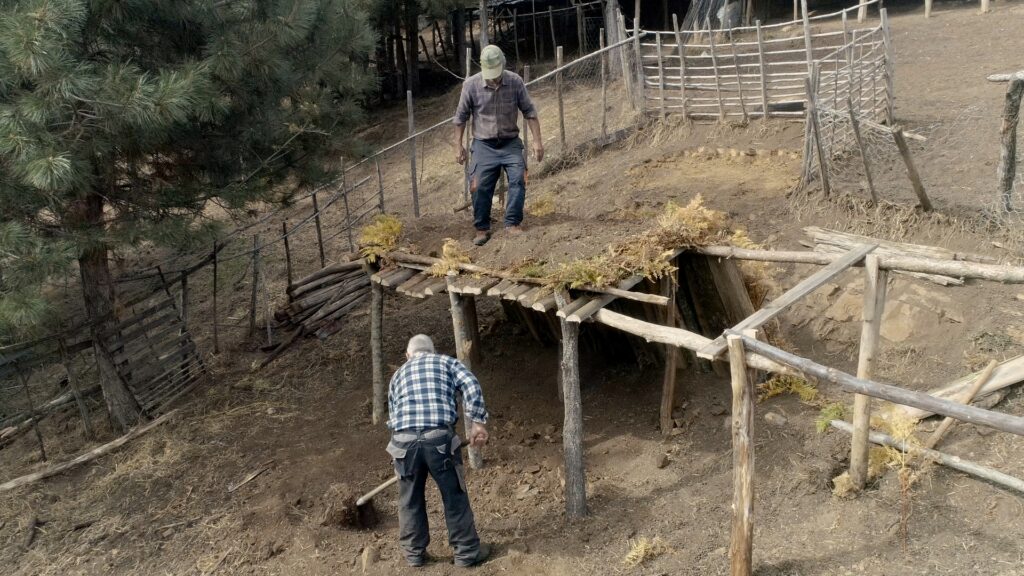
[161, 505]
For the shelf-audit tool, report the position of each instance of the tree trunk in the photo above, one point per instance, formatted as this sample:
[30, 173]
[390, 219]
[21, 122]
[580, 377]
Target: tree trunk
[99, 296]
[611, 36]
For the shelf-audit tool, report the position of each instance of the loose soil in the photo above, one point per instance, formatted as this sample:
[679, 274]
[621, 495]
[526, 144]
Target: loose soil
[161, 505]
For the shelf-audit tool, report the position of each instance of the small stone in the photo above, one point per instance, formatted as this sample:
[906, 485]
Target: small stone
[1020, 296]
[775, 419]
[168, 533]
[370, 557]
[520, 547]
[718, 410]
[532, 469]
[719, 551]
[271, 411]
[660, 460]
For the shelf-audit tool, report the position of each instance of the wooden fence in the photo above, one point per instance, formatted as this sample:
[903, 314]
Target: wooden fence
[761, 71]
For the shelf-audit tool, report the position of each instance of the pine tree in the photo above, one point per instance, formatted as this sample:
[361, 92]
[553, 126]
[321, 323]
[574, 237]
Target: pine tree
[121, 119]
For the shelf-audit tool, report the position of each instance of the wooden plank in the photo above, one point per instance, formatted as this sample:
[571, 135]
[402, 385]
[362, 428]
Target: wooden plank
[741, 544]
[588, 310]
[437, 286]
[500, 288]
[415, 283]
[573, 306]
[544, 304]
[527, 298]
[397, 277]
[515, 291]
[481, 285]
[790, 297]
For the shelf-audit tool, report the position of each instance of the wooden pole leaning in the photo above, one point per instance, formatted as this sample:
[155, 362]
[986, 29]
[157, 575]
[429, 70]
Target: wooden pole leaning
[551, 24]
[1007, 170]
[764, 73]
[638, 55]
[561, 106]
[412, 153]
[380, 394]
[83, 410]
[855, 125]
[533, 21]
[668, 388]
[661, 76]
[741, 543]
[515, 33]
[682, 63]
[572, 427]
[714, 66]
[912, 173]
[319, 230]
[739, 79]
[812, 114]
[604, 87]
[948, 422]
[890, 89]
[875, 280]
[627, 76]
[464, 325]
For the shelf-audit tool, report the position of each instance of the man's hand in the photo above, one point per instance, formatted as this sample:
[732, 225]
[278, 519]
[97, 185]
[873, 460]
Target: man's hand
[538, 150]
[478, 435]
[460, 154]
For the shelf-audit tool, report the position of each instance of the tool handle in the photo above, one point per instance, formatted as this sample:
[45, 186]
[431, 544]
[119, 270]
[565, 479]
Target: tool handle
[369, 495]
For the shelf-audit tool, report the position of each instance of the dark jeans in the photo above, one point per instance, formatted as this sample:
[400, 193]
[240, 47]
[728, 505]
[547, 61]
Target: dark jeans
[489, 158]
[433, 452]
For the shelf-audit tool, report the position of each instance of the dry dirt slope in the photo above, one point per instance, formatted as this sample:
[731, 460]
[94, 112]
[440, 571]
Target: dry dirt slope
[161, 505]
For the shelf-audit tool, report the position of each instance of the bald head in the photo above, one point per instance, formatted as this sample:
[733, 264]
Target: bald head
[419, 344]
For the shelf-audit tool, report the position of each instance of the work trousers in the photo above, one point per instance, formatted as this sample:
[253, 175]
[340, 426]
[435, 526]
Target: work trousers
[434, 452]
[490, 157]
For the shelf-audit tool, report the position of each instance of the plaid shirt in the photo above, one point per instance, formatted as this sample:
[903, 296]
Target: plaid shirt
[495, 110]
[422, 393]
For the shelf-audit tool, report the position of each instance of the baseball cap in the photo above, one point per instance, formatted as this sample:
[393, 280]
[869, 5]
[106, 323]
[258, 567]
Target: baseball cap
[492, 62]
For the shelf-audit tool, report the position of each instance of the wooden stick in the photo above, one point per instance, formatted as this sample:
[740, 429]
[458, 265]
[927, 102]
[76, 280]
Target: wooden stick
[862, 11]
[380, 187]
[762, 69]
[83, 410]
[808, 48]
[741, 545]
[890, 90]
[216, 336]
[682, 62]
[87, 456]
[33, 414]
[661, 76]
[533, 20]
[790, 297]
[955, 462]
[739, 82]
[551, 24]
[714, 65]
[915, 178]
[948, 422]
[984, 6]
[263, 467]
[515, 33]
[668, 386]
[863, 151]
[323, 272]
[875, 281]
[638, 55]
[581, 39]
[1007, 170]
[380, 394]
[572, 427]
[604, 87]
[464, 351]
[319, 230]
[412, 153]
[895, 394]
[255, 284]
[812, 113]
[558, 90]
[183, 310]
[369, 495]
[1007, 373]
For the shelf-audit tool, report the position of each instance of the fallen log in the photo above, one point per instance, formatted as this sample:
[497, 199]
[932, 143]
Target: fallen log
[847, 240]
[87, 456]
[298, 290]
[344, 295]
[948, 422]
[328, 270]
[324, 295]
[955, 462]
[51, 405]
[336, 321]
[1006, 374]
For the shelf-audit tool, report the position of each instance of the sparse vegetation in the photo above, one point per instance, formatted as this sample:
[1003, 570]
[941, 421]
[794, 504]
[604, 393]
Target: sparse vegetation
[644, 549]
[830, 412]
[786, 384]
[380, 237]
[452, 254]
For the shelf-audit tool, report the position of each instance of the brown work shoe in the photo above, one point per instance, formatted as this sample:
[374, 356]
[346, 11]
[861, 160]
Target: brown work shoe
[481, 238]
[514, 230]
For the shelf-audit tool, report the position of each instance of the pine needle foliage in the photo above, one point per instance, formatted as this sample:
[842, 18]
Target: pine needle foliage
[121, 121]
[379, 237]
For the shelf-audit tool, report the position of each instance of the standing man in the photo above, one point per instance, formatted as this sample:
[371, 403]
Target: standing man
[422, 401]
[494, 98]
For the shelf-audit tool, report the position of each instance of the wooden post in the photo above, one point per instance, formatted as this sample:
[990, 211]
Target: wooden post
[761, 65]
[855, 125]
[661, 76]
[216, 257]
[484, 38]
[739, 79]
[641, 104]
[984, 6]
[183, 303]
[558, 90]
[714, 66]
[551, 23]
[927, 8]
[515, 33]
[572, 427]
[807, 37]
[412, 153]
[533, 19]
[255, 285]
[463, 322]
[890, 90]
[83, 410]
[741, 544]
[668, 386]
[862, 11]
[915, 178]
[380, 393]
[682, 63]
[287, 252]
[581, 38]
[380, 186]
[604, 87]
[627, 75]
[812, 113]
[796, 11]
[32, 413]
[1007, 170]
[319, 231]
[874, 305]
[526, 128]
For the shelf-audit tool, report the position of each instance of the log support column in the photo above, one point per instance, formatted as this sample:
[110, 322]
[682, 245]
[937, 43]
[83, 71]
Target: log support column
[464, 322]
[572, 428]
[668, 387]
[380, 393]
[874, 305]
[741, 545]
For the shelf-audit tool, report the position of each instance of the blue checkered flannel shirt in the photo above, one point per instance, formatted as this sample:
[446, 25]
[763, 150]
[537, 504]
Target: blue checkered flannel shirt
[423, 393]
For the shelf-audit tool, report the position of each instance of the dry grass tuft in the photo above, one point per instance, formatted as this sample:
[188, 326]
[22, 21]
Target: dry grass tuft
[380, 237]
[452, 254]
[759, 277]
[542, 206]
[644, 549]
[786, 384]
